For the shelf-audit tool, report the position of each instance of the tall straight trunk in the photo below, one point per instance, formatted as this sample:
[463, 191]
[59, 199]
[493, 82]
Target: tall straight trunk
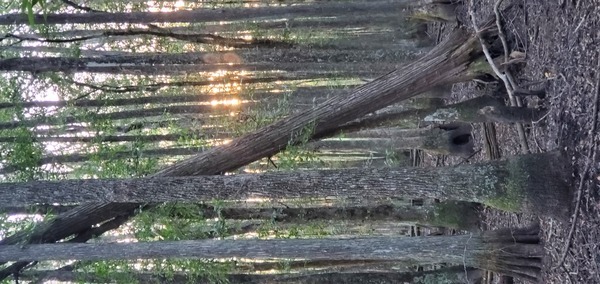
[196, 98]
[298, 55]
[516, 252]
[40, 209]
[384, 19]
[448, 214]
[119, 138]
[443, 139]
[443, 65]
[535, 183]
[302, 95]
[451, 275]
[214, 15]
[83, 157]
[178, 66]
[192, 123]
[157, 86]
[125, 114]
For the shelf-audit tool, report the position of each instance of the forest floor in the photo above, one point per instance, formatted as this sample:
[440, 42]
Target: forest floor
[560, 39]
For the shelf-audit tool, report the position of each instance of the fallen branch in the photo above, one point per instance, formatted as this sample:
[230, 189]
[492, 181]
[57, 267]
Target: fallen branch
[505, 76]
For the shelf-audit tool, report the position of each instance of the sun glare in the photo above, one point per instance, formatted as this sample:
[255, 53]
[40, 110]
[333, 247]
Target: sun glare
[231, 102]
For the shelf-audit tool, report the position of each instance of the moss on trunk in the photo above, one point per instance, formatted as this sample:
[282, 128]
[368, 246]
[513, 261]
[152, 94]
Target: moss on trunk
[537, 183]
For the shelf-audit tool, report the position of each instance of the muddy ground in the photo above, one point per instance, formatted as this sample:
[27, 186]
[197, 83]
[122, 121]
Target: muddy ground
[560, 39]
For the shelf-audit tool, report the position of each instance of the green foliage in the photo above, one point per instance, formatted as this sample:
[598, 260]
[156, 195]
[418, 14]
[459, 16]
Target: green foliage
[180, 222]
[294, 154]
[190, 138]
[27, 8]
[25, 153]
[22, 224]
[107, 162]
[210, 271]
[105, 270]
[273, 229]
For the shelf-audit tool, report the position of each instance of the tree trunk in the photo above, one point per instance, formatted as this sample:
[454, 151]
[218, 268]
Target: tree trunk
[40, 209]
[385, 19]
[443, 65]
[453, 139]
[137, 66]
[536, 183]
[156, 86]
[297, 55]
[449, 214]
[307, 96]
[118, 138]
[125, 114]
[483, 109]
[83, 157]
[213, 15]
[451, 275]
[162, 100]
[515, 251]
[477, 110]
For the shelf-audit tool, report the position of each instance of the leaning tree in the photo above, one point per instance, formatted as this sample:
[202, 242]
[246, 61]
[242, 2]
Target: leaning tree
[451, 61]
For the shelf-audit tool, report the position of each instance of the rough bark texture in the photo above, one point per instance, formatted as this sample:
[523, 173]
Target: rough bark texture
[476, 110]
[535, 183]
[447, 140]
[118, 138]
[161, 100]
[449, 214]
[126, 114]
[78, 158]
[41, 209]
[443, 65]
[483, 109]
[517, 251]
[213, 15]
[283, 59]
[148, 67]
[440, 66]
[451, 275]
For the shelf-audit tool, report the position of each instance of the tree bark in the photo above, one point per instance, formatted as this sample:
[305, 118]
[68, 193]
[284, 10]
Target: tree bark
[156, 86]
[162, 100]
[78, 158]
[137, 66]
[451, 275]
[213, 15]
[126, 114]
[446, 140]
[40, 209]
[385, 19]
[483, 109]
[449, 214]
[296, 55]
[117, 138]
[536, 183]
[477, 110]
[301, 96]
[517, 251]
[443, 65]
